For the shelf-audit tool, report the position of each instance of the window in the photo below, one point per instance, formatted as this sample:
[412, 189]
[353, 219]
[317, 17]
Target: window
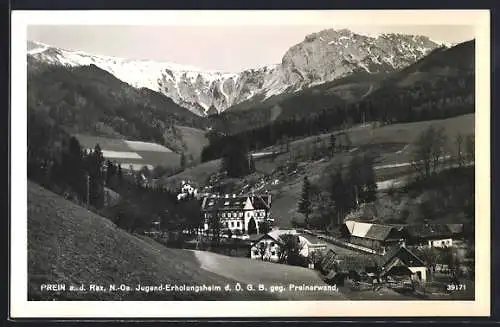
[256, 252]
[240, 214]
[232, 224]
[226, 224]
[223, 215]
[226, 203]
[238, 224]
[235, 215]
[272, 244]
[273, 252]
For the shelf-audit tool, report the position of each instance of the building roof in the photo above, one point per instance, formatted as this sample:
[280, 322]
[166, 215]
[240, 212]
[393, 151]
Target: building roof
[229, 203]
[370, 231]
[311, 239]
[406, 256]
[255, 237]
[277, 233]
[274, 234]
[359, 262]
[429, 230]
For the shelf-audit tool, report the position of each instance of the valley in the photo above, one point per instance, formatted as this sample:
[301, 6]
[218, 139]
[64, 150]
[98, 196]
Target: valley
[346, 127]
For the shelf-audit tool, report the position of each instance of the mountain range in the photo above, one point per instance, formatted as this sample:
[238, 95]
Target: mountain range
[327, 56]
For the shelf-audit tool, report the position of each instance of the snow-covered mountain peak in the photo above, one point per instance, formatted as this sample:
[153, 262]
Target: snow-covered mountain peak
[322, 57]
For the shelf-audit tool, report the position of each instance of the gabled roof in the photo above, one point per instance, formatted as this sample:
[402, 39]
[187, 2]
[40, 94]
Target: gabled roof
[429, 230]
[357, 262]
[379, 232]
[312, 239]
[255, 237]
[406, 256]
[370, 231]
[275, 235]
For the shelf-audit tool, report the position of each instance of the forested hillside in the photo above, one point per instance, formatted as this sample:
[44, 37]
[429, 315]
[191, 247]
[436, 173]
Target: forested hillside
[439, 86]
[90, 100]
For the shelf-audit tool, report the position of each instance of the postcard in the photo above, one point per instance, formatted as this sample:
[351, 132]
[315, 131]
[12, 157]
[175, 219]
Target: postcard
[289, 163]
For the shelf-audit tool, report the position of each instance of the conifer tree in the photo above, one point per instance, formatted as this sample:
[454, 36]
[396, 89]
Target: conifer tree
[183, 161]
[305, 200]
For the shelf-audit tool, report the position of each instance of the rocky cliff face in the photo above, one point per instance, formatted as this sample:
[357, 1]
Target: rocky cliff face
[330, 54]
[321, 57]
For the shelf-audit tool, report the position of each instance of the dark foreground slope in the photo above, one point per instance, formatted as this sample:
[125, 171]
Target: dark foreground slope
[69, 245]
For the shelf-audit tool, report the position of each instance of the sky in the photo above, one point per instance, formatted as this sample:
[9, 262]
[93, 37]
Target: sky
[232, 47]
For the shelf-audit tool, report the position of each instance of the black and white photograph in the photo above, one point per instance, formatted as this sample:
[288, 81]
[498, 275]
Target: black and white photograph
[319, 156]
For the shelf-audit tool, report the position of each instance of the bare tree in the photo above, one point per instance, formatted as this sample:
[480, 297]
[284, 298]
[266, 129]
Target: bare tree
[427, 151]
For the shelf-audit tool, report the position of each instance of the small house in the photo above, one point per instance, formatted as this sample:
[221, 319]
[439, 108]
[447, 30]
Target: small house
[311, 244]
[432, 235]
[268, 246]
[400, 262]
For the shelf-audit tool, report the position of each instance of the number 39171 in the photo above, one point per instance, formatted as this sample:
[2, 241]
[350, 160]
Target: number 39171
[455, 287]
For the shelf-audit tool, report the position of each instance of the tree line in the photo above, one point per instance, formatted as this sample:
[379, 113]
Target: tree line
[58, 162]
[88, 99]
[419, 103]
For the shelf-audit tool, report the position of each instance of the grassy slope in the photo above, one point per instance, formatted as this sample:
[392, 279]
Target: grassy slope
[199, 173]
[390, 142]
[68, 244]
[194, 139]
[166, 159]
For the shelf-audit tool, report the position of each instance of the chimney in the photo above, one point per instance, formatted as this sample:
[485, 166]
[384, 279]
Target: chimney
[226, 196]
[234, 195]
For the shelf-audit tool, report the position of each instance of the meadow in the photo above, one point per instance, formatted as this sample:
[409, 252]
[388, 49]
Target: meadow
[132, 153]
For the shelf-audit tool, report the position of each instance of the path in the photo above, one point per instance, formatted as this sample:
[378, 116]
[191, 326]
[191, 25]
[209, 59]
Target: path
[273, 276]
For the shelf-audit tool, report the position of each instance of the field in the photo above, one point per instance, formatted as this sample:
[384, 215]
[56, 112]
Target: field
[132, 153]
[198, 174]
[194, 139]
[391, 142]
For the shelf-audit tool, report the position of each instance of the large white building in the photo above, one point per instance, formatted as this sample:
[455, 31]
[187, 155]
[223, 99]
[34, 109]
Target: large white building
[236, 213]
